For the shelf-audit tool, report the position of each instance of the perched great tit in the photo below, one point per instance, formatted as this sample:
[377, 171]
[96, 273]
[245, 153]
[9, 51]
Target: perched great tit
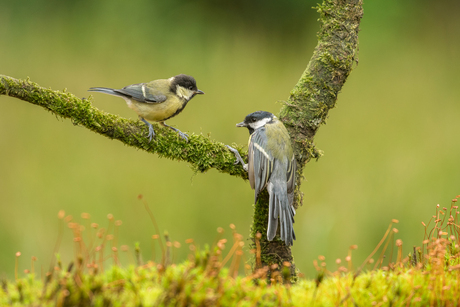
[157, 100]
[271, 165]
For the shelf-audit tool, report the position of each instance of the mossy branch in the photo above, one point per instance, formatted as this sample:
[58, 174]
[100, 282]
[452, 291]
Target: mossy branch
[315, 94]
[332, 61]
[201, 152]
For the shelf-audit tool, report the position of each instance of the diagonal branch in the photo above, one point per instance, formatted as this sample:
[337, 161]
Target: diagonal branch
[315, 94]
[201, 152]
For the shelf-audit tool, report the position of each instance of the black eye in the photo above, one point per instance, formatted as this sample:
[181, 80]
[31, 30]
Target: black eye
[254, 120]
[190, 87]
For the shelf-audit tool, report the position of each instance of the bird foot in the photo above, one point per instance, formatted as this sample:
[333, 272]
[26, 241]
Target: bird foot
[238, 157]
[151, 131]
[181, 134]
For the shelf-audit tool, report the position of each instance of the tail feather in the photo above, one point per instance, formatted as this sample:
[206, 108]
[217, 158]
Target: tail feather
[104, 90]
[280, 208]
[272, 219]
[281, 219]
[276, 206]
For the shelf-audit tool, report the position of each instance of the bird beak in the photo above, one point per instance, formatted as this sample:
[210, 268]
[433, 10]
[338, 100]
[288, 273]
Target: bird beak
[199, 92]
[242, 124]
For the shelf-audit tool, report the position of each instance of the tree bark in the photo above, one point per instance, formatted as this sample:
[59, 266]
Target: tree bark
[303, 113]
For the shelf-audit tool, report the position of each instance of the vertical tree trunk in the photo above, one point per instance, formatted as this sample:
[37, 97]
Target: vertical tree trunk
[271, 252]
[308, 105]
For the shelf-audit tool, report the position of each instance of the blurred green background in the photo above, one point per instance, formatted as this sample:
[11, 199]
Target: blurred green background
[391, 146]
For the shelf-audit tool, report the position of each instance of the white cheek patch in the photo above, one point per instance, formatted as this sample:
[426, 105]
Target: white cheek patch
[183, 92]
[260, 123]
[262, 151]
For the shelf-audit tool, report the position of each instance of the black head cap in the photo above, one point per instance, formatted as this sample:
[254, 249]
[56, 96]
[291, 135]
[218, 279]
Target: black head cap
[251, 119]
[185, 81]
[256, 116]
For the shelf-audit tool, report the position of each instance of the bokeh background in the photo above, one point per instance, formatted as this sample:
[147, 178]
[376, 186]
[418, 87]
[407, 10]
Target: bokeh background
[391, 147]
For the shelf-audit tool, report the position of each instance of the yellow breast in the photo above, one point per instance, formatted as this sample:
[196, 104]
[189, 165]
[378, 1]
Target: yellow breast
[157, 112]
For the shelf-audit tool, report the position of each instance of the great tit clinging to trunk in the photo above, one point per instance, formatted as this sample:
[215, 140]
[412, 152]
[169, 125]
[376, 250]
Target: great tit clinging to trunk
[157, 100]
[271, 165]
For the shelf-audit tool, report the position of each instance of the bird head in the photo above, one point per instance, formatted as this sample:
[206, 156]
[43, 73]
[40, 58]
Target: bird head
[257, 120]
[184, 86]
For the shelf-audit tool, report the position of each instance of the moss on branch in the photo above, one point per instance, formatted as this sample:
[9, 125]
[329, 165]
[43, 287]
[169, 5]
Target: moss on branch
[201, 152]
[316, 92]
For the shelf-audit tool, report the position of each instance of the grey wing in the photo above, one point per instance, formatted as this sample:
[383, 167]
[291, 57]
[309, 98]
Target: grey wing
[251, 166]
[139, 92]
[260, 162]
[291, 174]
[290, 178]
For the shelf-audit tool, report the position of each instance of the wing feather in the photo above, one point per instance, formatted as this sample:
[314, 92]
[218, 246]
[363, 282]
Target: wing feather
[251, 166]
[290, 175]
[260, 162]
[141, 93]
[290, 179]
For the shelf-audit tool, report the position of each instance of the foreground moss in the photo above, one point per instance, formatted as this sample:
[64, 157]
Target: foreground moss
[429, 276]
[187, 284]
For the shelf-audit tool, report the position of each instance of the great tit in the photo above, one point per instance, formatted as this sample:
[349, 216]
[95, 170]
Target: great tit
[157, 100]
[271, 165]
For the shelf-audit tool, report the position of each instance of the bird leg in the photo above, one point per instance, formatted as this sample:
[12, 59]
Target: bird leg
[238, 157]
[182, 135]
[151, 132]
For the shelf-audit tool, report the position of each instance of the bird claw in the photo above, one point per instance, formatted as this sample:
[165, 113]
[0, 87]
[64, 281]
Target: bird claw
[151, 131]
[182, 135]
[237, 156]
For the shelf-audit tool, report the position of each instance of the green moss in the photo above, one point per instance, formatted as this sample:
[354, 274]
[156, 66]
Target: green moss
[188, 285]
[316, 92]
